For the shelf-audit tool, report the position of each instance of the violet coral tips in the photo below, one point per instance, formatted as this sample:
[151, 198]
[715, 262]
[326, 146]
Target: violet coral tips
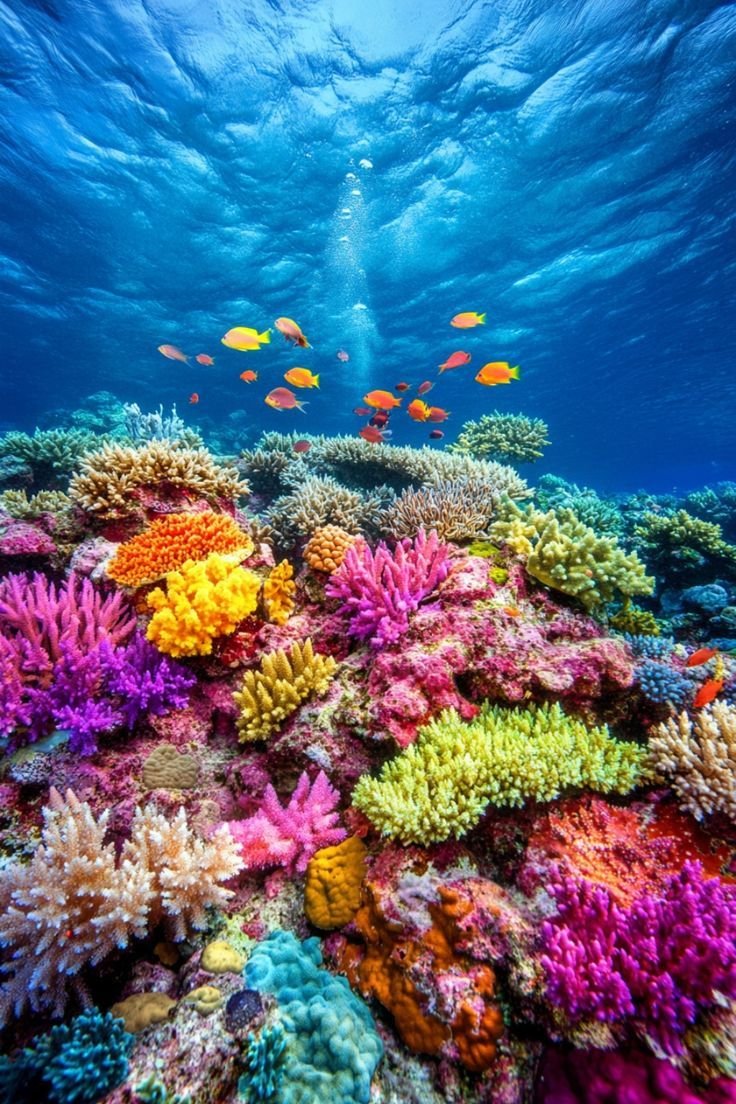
[440, 786]
[201, 601]
[698, 759]
[286, 679]
[378, 588]
[75, 903]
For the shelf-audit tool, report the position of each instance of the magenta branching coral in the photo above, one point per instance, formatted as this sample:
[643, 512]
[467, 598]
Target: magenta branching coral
[379, 589]
[657, 964]
[288, 836]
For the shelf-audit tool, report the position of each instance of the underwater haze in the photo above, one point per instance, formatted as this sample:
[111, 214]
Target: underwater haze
[174, 168]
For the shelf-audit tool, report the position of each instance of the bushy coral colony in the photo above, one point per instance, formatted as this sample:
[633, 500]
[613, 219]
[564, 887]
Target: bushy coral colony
[361, 773]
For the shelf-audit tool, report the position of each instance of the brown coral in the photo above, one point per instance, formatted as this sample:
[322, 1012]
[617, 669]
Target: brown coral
[326, 549]
[167, 769]
[170, 541]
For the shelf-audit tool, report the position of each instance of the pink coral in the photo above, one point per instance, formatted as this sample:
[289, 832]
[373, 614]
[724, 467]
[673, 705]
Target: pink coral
[289, 835]
[19, 538]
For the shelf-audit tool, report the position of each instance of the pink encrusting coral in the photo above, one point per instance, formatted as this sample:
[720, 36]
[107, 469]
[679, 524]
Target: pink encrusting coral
[288, 835]
[379, 589]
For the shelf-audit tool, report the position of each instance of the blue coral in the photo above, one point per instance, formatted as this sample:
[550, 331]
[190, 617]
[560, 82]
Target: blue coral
[264, 1066]
[649, 647]
[662, 684]
[75, 1063]
[332, 1047]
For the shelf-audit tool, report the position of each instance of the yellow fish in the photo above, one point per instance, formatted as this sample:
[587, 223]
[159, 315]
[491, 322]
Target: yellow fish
[301, 377]
[245, 339]
[467, 320]
[498, 371]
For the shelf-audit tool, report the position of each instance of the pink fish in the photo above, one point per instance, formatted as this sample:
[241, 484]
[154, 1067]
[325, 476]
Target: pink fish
[281, 398]
[173, 353]
[203, 358]
[455, 361]
[423, 388]
[342, 355]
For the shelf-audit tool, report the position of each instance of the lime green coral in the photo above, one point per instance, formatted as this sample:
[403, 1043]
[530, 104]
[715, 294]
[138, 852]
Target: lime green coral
[505, 438]
[440, 786]
[202, 600]
[632, 619]
[567, 556]
[286, 679]
[685, 543]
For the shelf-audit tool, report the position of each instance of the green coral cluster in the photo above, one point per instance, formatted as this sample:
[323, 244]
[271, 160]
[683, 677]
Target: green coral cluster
[634, 620]
[506, 438]
[564, 554]
[51, 453]
[440, 785]
[19, 505]
[683, 545]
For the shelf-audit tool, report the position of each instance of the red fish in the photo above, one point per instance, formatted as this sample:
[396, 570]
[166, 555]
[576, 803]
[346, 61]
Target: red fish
[342, 355]
[194, 397]
[436, 434]
[379, 419]
[281, 398]
[423, 388]
[707, 692]
[437, 414]
[249, 376]
[701, 656]
[203, 358]
[302, 446]
[362, 411]
[371, 434]
[173, 353]
[455, 361]
[401, 387]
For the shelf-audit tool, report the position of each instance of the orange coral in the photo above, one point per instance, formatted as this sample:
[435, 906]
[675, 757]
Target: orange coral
[278, 593]
[411, 970]
[327, 546]
[169, 542]
[334, 877]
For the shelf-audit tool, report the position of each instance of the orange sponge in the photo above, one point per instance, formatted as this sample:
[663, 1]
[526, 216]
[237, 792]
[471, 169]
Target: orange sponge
[169, 542]
[327, 546]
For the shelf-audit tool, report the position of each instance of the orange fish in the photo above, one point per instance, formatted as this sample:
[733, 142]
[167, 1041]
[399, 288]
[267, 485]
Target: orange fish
[455, 361]
[423, 388]
[467, 320]
[437, 414]
[292, 332]
[371, 434]
[701, 656]
[281, 398]
[512, 611]
[497, 371]
[249, 376]
[173, 353]
[301, 377]
[418, 410]
[436, 434]
[401, 387]
[202, 358]
[194, 397]
[707, 692]
[245, 339]
[382, 400]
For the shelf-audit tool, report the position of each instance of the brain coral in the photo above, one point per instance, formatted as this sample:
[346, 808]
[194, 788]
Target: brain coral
[169, 542]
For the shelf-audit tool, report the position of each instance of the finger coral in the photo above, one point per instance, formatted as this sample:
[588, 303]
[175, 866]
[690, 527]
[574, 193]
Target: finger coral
[456, 511]
[326, 548]
[75, 902]
[567, 556]
[698, 759]
[267, 697]
[506, 438]
[440, 786]
[278, 593]
[203, 600]
[170, 541]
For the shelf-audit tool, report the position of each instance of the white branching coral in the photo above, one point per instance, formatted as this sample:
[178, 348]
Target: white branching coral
[75, 903]
[698, 759]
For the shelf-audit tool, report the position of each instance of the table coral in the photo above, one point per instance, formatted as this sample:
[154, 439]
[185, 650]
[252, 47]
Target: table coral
[169, 542]
[201, 601]
[268, 696]
[440, 786]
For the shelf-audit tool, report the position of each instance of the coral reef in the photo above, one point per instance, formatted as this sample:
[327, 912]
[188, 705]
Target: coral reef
[270, 695]
[506, 438]
[168, 543]
[698, 759]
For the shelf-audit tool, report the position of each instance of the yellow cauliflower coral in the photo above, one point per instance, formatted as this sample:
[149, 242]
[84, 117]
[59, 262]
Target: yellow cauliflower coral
[202, 600]
[278, 593]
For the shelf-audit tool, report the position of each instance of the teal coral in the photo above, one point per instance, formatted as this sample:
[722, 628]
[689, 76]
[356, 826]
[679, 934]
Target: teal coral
[51, 453]
[684, 544]
[440, 786]
[505, 438]
[568, 556]
[332, 1047]
[264, 1066]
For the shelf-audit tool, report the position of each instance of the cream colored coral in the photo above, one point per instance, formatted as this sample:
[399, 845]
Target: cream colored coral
[108, 478]
[698, 759]
[267, 697]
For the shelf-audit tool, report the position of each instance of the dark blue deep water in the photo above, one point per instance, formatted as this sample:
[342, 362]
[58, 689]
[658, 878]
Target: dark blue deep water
[172, 168]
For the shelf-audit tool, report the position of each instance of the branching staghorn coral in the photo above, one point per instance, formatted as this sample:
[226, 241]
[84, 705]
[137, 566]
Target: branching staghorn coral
[51, 453]
[75, 902]
[109, 478]
[170, 541]
[567, 556]
[507, 438]
[440, 785]
[155, 426]
[286, 679]
[19, 505]
[317, 502]
[459, 511]
[602, 515]
[698, 759]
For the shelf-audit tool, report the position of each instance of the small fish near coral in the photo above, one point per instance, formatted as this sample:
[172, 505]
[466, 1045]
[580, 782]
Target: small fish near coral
[707, 693]
[381, 400]
[193, 398]
[701, 656]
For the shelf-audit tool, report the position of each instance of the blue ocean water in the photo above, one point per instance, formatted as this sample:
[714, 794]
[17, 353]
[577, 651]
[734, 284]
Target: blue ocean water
[173, 168]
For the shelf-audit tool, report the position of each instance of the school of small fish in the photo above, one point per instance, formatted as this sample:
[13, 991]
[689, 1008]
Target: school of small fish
[379, 403]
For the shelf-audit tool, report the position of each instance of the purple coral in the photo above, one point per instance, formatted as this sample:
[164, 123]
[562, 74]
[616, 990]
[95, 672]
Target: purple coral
[289, 835]
[658, 963]
[379, 589]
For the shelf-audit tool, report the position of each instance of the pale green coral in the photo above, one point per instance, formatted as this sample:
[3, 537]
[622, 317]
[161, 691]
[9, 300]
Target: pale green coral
[506, 438]
[440, 785]
[567, 556]
[683, 545]
[55, 451]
